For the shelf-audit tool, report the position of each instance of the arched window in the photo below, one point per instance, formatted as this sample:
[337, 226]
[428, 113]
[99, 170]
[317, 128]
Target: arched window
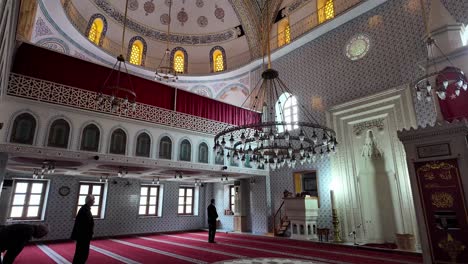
[185, 151]
[287, 111]
[284, 32]
[58, 134]
[179, 60]
[165, 148]
[96, 30]
[118, 142]
[136, 52]
[217, 59]
[143, 146]
[203, 153]
[326, 10]
[90, 138]
[24, 128]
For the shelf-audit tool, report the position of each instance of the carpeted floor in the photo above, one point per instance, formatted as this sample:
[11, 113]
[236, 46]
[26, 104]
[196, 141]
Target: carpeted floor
[192, 247]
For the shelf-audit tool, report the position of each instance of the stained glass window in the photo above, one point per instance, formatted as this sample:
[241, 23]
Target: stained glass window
[284, 32]
[95, 32]
[326, 10]
[136, 53]
[179, 62]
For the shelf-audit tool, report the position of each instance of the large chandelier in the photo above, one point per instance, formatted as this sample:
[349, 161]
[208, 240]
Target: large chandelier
[275, 141]
[449, 81]
[165, 72]
[113, 93]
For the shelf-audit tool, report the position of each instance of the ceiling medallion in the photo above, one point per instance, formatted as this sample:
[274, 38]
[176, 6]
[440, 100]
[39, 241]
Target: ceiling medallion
[199, 3]
[149, 7]
[219, 13]
[133, 5]
[164, 19]
[357, 47]
[182, 16]
[202, 21]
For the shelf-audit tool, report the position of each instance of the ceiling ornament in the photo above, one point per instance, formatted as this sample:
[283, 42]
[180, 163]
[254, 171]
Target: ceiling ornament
[268, 143]
[448, 82]
[165, 72]
[149, 7]
[202, 21]
[164, 19]
[182, 16]
[219, 13]
[120, 98]
[199, 3]
[133, 5]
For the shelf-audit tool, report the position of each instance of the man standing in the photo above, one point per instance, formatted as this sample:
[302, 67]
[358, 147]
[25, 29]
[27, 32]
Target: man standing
[13, 238]
[212, 216]
[83, 231]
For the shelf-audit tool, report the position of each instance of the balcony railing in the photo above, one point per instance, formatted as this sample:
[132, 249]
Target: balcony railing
[297, 30]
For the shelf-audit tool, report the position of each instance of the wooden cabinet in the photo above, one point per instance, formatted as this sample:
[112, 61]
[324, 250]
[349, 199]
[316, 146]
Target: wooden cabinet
[240, 223]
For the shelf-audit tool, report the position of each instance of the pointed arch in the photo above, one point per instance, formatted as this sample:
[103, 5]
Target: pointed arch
[90, 138]
[143, 145]
[185, 150]
[59, 134]
[179, 60]
[165, 148]
[218, 59]
[326, 10]
[96, 29]
[24, 128]
[136, 53]
[287, 110]
[203, 152]
[284, 32]
[118, 142]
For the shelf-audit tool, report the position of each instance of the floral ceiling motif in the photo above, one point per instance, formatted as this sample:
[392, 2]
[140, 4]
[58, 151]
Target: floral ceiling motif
[133, 5]
[149, 7]
[202, 21]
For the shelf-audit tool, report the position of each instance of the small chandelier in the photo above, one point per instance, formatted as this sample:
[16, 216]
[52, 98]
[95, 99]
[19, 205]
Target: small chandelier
[447, 82]
[165, 72]
[268, 142]
[120, 98]
[48, 167]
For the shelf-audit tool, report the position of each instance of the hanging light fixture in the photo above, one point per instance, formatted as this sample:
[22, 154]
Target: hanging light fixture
[165, 72]
[439, 80]
[113, 93]
[272, 143]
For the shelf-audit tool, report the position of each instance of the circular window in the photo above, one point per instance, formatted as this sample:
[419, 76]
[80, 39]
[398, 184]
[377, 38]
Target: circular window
[357, 47]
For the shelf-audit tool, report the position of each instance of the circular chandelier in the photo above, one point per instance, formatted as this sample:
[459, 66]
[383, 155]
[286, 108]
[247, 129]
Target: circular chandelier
[115, 94]
[165, 72]
[269, 142]
[448, 82]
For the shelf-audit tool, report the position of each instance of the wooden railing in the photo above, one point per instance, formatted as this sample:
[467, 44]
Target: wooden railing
[279, 220]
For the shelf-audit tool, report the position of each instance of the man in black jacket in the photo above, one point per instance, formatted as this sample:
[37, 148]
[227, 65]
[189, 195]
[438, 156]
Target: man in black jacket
[212, 216]
[83, 231]
[13, 238]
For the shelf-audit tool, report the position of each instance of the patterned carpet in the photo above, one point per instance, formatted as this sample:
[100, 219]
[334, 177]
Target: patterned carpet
[192, 247]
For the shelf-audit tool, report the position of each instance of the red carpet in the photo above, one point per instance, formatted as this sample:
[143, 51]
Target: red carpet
[32, 254]
[193, 248]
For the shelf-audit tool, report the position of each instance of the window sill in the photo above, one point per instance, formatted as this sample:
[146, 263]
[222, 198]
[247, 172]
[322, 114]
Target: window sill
[148, 216]
[187, 215]
[24, 220]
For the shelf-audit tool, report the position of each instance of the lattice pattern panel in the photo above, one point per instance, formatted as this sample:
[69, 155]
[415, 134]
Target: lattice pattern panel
[45, 91]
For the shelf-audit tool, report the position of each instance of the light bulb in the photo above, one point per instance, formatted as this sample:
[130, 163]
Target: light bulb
[223, 143]
[301, 136]
[457, 92]
[286, 135]
[428, 86]
[445, 84]
[314, 137]
[465, 86]
[442, 95]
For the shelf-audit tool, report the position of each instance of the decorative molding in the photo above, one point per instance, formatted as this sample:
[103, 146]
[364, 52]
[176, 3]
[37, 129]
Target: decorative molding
[54, 93]
[378, 123]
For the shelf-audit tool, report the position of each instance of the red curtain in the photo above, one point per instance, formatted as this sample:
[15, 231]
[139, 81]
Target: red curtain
[48, 65]
[204, 107]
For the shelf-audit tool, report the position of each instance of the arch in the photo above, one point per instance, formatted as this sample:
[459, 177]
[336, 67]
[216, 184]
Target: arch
[59, 133]
[176, 54]
[136, 52]
[143, 144]
[326, 10]
[23, 129]
[185, 150]
[284, 32]
[286, 110]
[202, 90]
[96, 29]
[217, 58]
[90, 138]
[118, 142]
[165, 148]
[203, 152]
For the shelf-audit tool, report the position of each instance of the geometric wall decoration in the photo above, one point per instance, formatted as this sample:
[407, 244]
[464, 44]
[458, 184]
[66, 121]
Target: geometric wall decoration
[54, 44]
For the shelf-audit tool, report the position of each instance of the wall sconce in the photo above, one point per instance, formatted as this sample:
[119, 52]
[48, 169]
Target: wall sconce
[123, 171]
